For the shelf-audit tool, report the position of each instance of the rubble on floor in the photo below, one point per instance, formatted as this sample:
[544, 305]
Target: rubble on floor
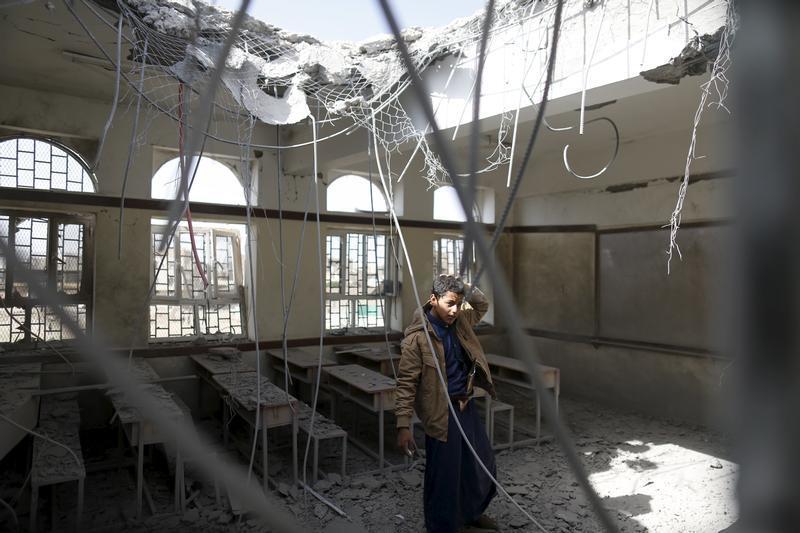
[653, 476]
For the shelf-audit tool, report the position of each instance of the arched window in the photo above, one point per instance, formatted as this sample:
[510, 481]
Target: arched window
[29, 163]
[447, 205]
[351, 194]
[214, 183]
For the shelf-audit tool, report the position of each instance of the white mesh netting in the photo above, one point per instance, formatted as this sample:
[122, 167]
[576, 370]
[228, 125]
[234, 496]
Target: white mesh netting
[280, 77]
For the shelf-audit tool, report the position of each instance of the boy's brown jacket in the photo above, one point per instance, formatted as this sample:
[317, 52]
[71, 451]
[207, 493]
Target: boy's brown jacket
[418, 385]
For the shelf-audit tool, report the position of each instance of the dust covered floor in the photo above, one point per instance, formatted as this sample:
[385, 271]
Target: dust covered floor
[654, 476]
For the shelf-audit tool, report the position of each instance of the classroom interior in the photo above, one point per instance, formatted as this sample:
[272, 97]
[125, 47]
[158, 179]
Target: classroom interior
[142, 317]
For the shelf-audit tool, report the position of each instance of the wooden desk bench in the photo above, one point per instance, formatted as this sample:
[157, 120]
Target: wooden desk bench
[302, 363]
[323, 429]
[276, 408]
[141, 371]
[367, 388]
[178, 460]
[209, 365]
[60, 420]
[514, 372]
[375, 358]
[17, 382]
[142, 431]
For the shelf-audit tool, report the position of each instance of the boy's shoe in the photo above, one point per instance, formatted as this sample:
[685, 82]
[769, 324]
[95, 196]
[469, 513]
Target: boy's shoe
[484, 522]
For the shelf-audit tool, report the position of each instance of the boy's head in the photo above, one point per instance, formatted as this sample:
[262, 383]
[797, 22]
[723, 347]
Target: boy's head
[447, 294]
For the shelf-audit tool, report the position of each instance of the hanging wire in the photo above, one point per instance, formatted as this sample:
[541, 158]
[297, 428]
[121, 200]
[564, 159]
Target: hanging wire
[520, 345]
[115, 101]
[284, 310]
[254, 299]
[472, 179]
[607, 165]
[551, 64]
[321, 301]
[10, 510]
[380, 285]
[128, 161]
[176, 430]
[439, 373]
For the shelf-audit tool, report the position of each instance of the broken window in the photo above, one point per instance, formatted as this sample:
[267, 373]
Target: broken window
[56, 249]
[182, 304]
[448, 252]
[355, 280]
[29, 163]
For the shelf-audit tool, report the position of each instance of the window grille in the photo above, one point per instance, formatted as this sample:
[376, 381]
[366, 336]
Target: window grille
[447, 256]
[181, 305]
[28, 163]
[56, 248]
[355, 276]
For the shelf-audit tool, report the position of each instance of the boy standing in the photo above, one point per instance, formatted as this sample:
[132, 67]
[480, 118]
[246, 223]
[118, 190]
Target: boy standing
[457, 490]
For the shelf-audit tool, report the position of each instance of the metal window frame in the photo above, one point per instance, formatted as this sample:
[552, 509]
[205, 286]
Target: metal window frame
[213, 296]
[52, 142]
[344, 265]
[85, 295]
[437, 256]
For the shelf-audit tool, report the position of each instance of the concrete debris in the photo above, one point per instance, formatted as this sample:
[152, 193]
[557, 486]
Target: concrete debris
[412, 479]
[567, 516]
[13, 380]
[271, 72]
[320, 511]
[323, 485]
[192, 515]
[694, 60]
[518, 521]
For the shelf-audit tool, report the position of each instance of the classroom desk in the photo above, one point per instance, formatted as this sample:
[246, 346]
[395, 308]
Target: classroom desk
[514, 372]
[208, 365]
[302, 363]
[141, 431]
[275, 408]
[17, 381]
[375, 358]
[367, 388]
[141, 370]
[60, 420]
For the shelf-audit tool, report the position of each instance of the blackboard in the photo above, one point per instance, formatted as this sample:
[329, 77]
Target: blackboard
[638, 300]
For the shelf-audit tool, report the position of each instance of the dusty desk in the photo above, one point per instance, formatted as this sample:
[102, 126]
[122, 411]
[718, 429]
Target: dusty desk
[142, 431]
[514, 372]
[17, 381]
[52, 464]
[302, 363]
[209, 364]
[367, 388]
[276, 407]
[376, 358]
[141, 371]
